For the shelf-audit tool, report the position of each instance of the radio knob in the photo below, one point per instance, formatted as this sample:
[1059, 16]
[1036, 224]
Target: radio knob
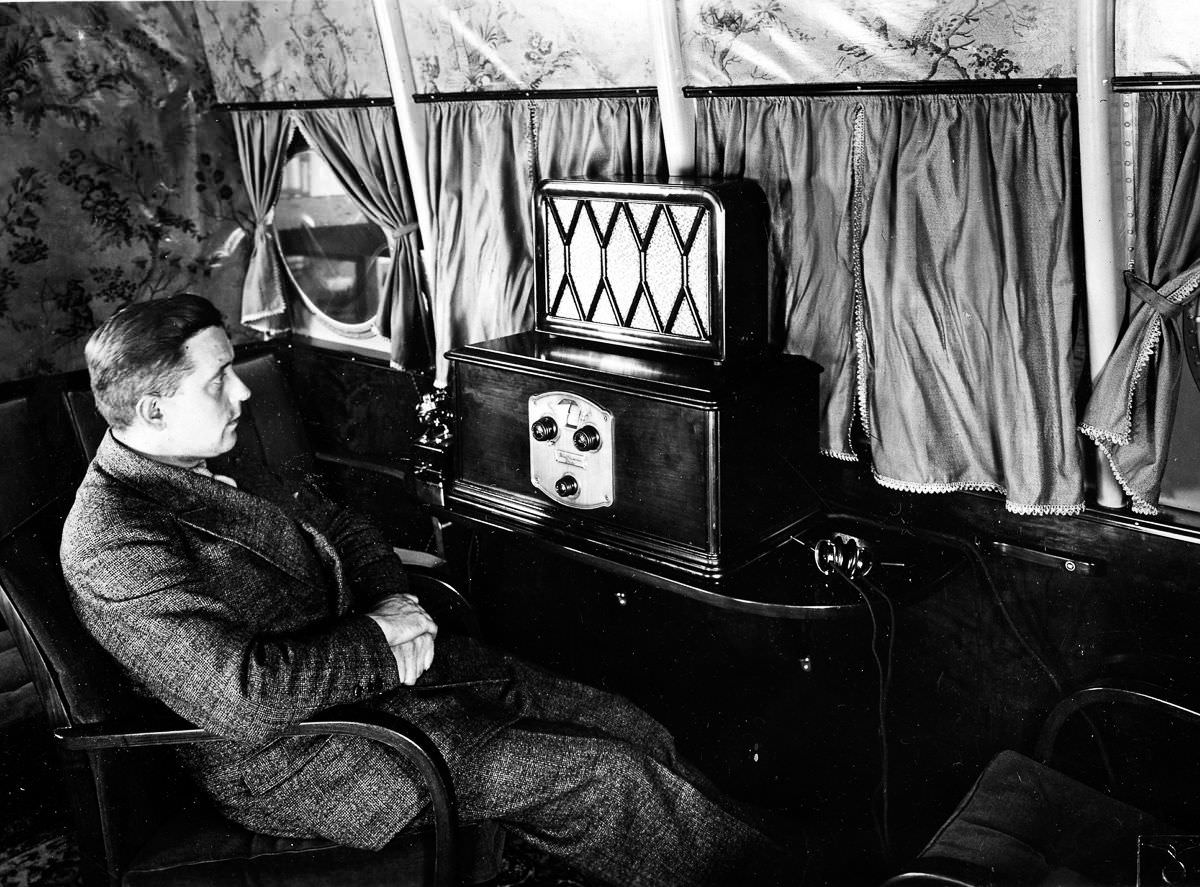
[566, 486]
[587, 438]
[544, 429]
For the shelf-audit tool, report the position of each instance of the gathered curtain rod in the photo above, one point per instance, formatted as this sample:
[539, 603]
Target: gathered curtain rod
[309, 105]
[1153, 83]
[892, 87]
[954, 87]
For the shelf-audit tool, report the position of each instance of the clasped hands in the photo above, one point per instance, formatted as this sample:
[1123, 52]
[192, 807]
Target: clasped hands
[409, 632]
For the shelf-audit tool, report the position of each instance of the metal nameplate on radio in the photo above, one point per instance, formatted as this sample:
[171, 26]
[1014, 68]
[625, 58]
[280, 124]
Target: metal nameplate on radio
[571, 450]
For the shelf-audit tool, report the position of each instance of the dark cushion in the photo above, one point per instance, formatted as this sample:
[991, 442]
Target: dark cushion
[89, 683]
[271, 430]
[1026, 824]
[39, 462]
[274, 428]
[37, 486]
[201, 849]
[88, 424]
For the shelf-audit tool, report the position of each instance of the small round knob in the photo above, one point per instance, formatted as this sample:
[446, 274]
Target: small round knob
[587, 438]
[544, 429]
[566, 486]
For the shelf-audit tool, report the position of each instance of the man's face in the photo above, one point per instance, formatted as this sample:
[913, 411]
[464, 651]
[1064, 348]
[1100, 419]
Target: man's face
[200, 418]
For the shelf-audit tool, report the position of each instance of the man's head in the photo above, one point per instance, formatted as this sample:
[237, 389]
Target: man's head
[163, 379]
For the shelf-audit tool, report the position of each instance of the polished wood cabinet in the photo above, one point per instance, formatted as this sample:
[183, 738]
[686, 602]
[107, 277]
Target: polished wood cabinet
[707, 462]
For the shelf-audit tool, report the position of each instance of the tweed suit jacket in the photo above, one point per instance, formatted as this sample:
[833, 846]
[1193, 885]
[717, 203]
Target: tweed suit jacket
[243, 610]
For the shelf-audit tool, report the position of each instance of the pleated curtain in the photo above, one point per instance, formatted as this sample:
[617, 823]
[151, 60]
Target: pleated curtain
[484, 161]
[1132, 405]
[262, 140]
[362, 147]
[969, 297]
[798, 151]
[922, 252]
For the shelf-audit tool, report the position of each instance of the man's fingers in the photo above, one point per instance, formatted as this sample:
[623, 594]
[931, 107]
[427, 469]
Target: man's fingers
[402, 620]
[407, 660]
[424, 645]
[413, 658]
[411, 628]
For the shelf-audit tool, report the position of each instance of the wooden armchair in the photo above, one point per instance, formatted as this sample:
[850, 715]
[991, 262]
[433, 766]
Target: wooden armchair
[1106, 799]
[139, 820]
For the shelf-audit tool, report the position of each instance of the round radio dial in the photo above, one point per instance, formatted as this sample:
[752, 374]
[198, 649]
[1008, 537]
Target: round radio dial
[566, 486]
[587, 439]
[544, 429]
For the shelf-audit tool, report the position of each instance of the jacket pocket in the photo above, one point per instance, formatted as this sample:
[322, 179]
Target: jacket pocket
[280, 760]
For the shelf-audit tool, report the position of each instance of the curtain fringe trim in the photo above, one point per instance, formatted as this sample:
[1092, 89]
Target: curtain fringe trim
[857, 163]
[908, 486]
[1045, 510]
[1137, 502]
[1102, 435]
[1022, 508]
[1145, 353]
[1124, 434]
[838, 454]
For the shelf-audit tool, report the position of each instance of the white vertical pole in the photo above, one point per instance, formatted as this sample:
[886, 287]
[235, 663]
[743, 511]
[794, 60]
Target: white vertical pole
[411, 121]
[678, 113]
[1102, 273]
[408, 115]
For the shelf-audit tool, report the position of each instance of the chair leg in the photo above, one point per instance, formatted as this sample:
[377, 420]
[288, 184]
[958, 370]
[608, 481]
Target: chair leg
[96, 867]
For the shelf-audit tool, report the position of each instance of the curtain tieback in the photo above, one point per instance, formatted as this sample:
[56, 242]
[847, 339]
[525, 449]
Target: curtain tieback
[1153, 298]
[404, 230]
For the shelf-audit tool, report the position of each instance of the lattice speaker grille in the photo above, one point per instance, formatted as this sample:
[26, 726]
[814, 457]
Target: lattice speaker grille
[629, 264]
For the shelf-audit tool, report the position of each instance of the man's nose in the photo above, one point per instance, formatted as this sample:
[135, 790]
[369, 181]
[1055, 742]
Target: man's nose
[239, 391]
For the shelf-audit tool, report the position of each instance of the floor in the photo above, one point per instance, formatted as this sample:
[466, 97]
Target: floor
[34, 843]
[37, 848]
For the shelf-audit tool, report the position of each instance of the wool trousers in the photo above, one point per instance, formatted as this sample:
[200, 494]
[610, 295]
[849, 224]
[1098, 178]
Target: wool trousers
[591, 778]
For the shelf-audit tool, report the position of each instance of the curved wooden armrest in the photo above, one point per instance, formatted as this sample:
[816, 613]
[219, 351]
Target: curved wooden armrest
[434, 582]
[398, 734]
[1127, 691]
[943, 872]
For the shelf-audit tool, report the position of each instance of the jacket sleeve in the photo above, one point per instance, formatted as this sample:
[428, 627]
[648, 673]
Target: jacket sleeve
[372, 567]
[371, 564]
[142, 597]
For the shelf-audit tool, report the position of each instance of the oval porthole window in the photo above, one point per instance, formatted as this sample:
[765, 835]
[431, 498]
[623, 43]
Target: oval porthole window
[337, 257]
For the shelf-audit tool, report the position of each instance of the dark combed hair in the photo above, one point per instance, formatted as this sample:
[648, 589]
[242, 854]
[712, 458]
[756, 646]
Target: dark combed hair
[139, 351]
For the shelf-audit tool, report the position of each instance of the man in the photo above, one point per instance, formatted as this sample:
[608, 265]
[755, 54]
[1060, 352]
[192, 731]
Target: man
[251, 602]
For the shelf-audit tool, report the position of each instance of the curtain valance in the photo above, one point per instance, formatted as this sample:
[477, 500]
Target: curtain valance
[484, 160]
[362, 147]
[262, 140]
[922, 253]
[798, 150]
[1132, 405]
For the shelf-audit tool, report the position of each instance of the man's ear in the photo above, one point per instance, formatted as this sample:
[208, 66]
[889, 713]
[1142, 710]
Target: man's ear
[149, 411]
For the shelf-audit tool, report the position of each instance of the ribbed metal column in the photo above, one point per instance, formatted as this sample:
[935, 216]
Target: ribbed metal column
[1098, 188]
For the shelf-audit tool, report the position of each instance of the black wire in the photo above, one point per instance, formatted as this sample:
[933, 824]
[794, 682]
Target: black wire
[881, 816]
[972, 550]
[471, 551]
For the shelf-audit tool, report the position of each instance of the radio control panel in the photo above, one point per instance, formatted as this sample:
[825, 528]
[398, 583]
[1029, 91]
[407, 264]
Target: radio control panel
[571, 450]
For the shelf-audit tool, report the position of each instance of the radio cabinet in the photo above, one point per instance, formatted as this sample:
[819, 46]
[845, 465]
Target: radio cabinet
[701, 464]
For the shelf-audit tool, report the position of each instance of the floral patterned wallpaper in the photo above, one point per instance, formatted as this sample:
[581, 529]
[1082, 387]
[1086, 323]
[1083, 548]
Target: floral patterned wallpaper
[480, 45]
[117, 183]
[759, 42]
[293, 50]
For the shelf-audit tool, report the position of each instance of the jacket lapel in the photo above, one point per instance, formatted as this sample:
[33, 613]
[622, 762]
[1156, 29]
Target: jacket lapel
[214, 508]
